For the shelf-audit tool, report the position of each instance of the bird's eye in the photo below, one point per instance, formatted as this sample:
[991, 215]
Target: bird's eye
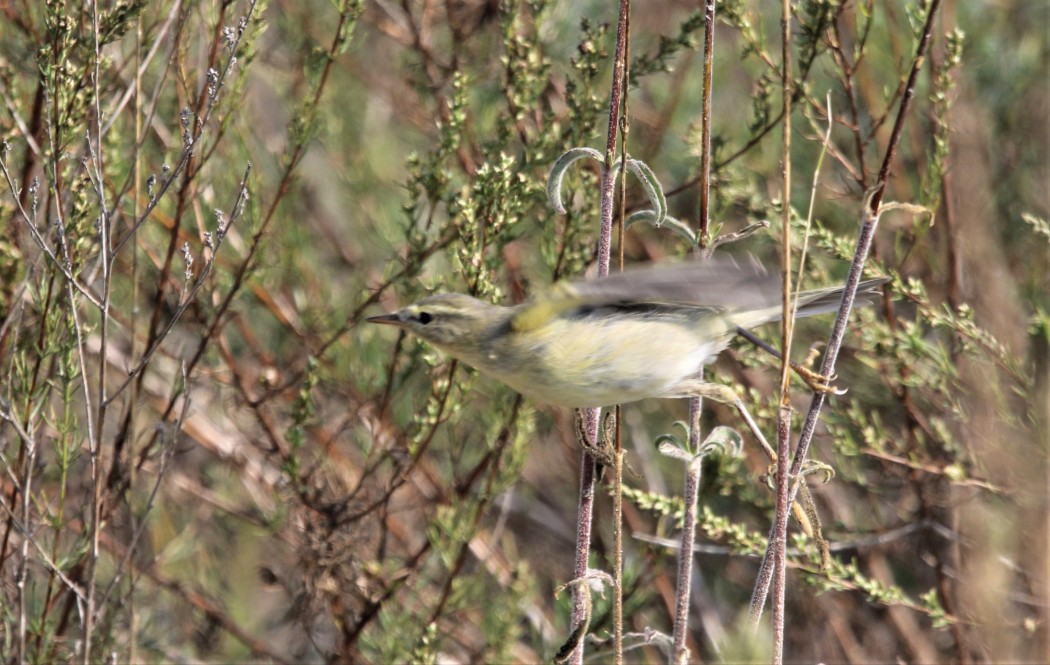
[425, 317]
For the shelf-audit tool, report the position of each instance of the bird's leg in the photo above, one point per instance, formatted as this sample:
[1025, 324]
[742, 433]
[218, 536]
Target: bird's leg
[725, 395]
[603, 450]
[814, 380]
[821, 383]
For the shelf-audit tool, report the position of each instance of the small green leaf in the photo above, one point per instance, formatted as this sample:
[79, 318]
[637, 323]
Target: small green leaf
[652, 188]
[558, 174]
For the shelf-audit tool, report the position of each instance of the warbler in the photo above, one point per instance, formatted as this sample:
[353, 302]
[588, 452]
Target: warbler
[636, 334]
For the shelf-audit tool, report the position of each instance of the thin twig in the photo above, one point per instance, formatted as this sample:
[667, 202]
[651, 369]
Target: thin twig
[96, 176]
[684, 581]
[209, 97]
[34, 232]
[618, 459]
[866, 542]
[705, 123]
[691, 491]
[783, 501]
[165, 457]
[190, 297]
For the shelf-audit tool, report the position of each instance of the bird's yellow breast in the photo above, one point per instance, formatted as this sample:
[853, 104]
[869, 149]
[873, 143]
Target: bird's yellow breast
[605, 356]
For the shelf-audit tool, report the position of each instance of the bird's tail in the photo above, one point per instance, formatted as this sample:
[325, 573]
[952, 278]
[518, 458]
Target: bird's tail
[822, 301]
[817, 301]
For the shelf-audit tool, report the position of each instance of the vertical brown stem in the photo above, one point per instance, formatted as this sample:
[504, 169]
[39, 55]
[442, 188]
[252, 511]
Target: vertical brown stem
[705, 123]
[588, 475]
[783, 502]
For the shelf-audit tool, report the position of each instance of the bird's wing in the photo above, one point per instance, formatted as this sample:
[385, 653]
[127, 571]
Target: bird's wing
[715, 283]
[721, 282]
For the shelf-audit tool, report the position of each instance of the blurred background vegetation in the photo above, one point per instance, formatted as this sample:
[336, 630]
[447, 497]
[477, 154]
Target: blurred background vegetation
[205, 456]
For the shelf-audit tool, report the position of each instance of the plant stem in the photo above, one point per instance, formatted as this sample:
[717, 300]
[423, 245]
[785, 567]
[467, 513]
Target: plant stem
[783, 502]
[588, 475]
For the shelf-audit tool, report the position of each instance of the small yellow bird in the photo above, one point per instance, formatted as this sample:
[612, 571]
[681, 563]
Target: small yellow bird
[632, 335]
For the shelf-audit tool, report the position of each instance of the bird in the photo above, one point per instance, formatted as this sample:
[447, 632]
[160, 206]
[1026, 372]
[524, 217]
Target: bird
[641, 333]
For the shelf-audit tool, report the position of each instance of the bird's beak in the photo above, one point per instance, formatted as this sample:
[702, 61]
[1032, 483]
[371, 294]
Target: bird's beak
[389, 319]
